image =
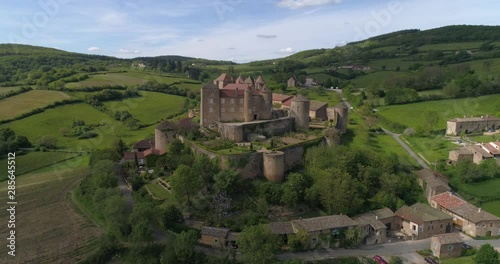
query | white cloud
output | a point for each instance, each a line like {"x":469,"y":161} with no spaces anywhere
{"x":94,"y":49}
{"x":266,"y":36}
{"x":295,"y":4}
{"x":286,"y":50}
{"x":126,"y":51}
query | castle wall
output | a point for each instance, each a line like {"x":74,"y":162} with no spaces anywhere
{"x":210,"y":106}
{"x":342,"y":116}
{"x":231,"y":109}
{"x":239,"y":132}
{"x":300,"y":111}
{"x":274,"y":165}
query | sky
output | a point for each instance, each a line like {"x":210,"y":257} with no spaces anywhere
{"x":237,"y":30}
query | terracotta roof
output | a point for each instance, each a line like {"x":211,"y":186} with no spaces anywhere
{"x":449,"y":238}
{"x":166,"y":125}
{"x":281,"y":228}
{"x":433,"y":179}
{"x":475,"y":119}
{"x":231,"y":93}
{"x":315,"y":105}
{"x":140,"y":155}
{"x":153,"y":151}
{"x":143,"y":144}
{"x":281,"y":97}
{"x":239,"y":86}
{"x":224,"y":77}
{"x":491,"y":149}
{"x":287,"y":102}
{"x":462,"y":208}
{"x":420,"y":213}
{"x":129,"y":156}
{"x":324,"y":223}
{"x":383,"y":213}
{"x":371,"y":219}
{"x":215,"y":231}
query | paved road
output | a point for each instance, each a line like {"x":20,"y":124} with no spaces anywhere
{"x":408,"y":149}
{"x":388,"y":249}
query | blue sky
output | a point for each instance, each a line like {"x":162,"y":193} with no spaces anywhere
{"x":238,"y":30}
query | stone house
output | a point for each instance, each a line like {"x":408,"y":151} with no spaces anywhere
{"x":472,"y":125}
{"x":317,"y":110}
{"x":309,"y":81}
{"x":292,"y":82}
{"x":474,"y":153}
{"x":421,"y":221}
{"x":218,"y":237}
{"x":281,"y":98}
{"x":374,"y":225}
{"x":461,"y":154}
{"x":137,"y":157}
{"x":432,"y":183}
{"x":143,"y":145}
{"x":316,"y":227}
{"x":473,"y":221}
{"x":447,"y":245}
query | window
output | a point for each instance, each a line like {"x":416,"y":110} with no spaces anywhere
{"x":223,"y":109}
{"x":231,"y":109}
{"x":414,"y":227}
{"x":241,"y":100}
{"x":441,"y":225}
{"x":450,"y":247}
{"x":210,"y":109}
{"x":210,"y":100}
{"x":491,"y":224}
{"x":232,"y":100}
{"x":241,"y":109}
{"x":222,"y":100}
{"x":314,"y":240}
{"x":215,"y":240}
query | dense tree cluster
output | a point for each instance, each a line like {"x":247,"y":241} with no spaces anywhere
{"x":10,"y":142}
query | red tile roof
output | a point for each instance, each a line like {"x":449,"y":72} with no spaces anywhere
{"x":462,"y":208}
{"x":140,"y":155}
{"x":129,"y":156}
{"x":288,"y":102}
{"x":492,"y":150}
{"x":239,"y":86}
{"x":281,"y":97}
{"x":153,"y":151}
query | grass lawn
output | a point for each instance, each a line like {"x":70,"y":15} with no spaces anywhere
{"x":490,"y":138}
{"x":432,"y":148}
{"x":365,"y":81}
{"x":51,"y":121}
{"x":151,"y":107}
{"x":158,"y":191}
{"x":461,"y":260}
{"x":8,"y":89}
{"x":48,"y":226}
{"x":482,"y":189}
{"x":34,"y":161}
{"x":16,"y":105}
{"x":412,"y":115}
{"x":492,"y":207}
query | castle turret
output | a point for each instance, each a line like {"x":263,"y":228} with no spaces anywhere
{"x":223,"y":80}
{"x":299,"y":109}
{"x":259,"y":83}
{"x":164,"y":134}
{"x":274,"y":165}
{"x":267,"y":108}
{"x":247,"y":105}
{"x":210,"y":104}
{"x":341,"y":115}
{"x":239,"y":80}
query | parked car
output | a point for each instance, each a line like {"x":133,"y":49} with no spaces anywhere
{"x":430,"y":260}
{"x":379,"y":259}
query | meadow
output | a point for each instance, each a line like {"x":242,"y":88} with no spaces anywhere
{"x":150,"y":107}
{"x":492,"y":207}
{"x":4,"y":90}
{"x":51,"y":121}
{"x":16,"y":105}
{"x":412,"y":115}
{"x":49,"y":229}
{"x":34,"y":161}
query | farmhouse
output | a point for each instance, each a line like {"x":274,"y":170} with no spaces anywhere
{"x":317,"y":110}
{"x":292,"y":82}
{"x":374,"y":225}
{"x":472,"y":125}
{"x":218,"y":237}
{"x":447,"y":245}
{"x":422,"y":221}
{"x":472,"y":220}
{"x":476,"y":153}
{"x":331,"y":225}
{"x":281,"y":98}
{"x":432,"y":183}
{"x":309,"y":81}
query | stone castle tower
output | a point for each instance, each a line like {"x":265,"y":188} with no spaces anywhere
{"x":299,"y":109}
{"x":240,"y":100}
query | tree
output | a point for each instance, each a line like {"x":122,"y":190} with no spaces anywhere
{"x":47,"y":141}
{"x":299,"y":241}
{"x":184,"y":183}
{"x":486,"y":254}
{"x":328,"y":83}
{"x":258,"y":244}
{"x":294,"y":189}
{"x":103,"y":174}
{"x":171,"y":216}
{"x":352,"y":237}
{"x":116,"y":213}
{"x":184,"y":246}
{"x":227,"y":180}
{"x":121,"y":147}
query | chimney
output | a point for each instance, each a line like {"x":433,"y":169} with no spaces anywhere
{"x":449,"y":194}
{"x":479,"y":210}
{"x":376,"y":217}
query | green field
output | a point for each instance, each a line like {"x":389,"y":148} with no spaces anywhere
{"x":375,"y":77}
{"x":492,"y":207}
{"x":432,"y":148}
{"x":151,"y":107}
{"x":34,"y":161}
{"x":48,"y":226}
{"x":8,"y":89}
{"x":482,"y":189}
{"x":451,"y":46}
{"x":25,"y":102}
{"x":158,"y":191}
{"x":51,"y":121}
{"x":412,"y":115}
{"x":133,"y":78}
{"x":461,"y":260}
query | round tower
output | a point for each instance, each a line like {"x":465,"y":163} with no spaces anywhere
{"x":247,"y":105}
{"x":267,"y":108}
{"x":299,"y":109}
{"x":342,"y":113}
{"x":164,"y":134}
{"x":274,"y":165}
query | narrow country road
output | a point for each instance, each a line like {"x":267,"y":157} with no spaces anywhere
{"x":408,"y":149}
